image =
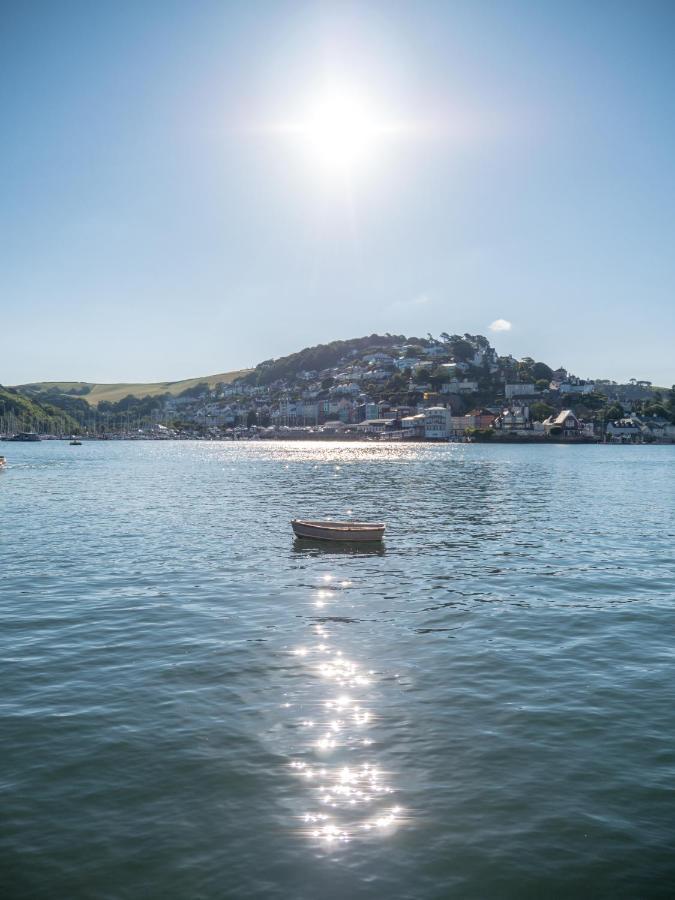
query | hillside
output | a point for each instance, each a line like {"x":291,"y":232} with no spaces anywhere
{"x":322,"y":356}
{"x":94,"y":393}
{"x":18,"y":412}
{"x":353,"y":380}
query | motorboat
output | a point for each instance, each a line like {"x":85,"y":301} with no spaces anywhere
{"x":3,"y":462}
{"x":75,"y":443}
{"x":29,"y":436}
{"x":329,"y":530}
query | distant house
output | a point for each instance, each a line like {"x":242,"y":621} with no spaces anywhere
{"x":564,"y":423}
{"x":412,"y":426}
{"x":481,"y":418}
{"x":383,"y":359}
{"x":582,"y":387}
{"x":658,"y":429}
{"x":407,"y":363}
{"x":352,"y":388}
{"x":436,"y":351}
{"x":515,"y":420}
{"x":436,"y":423}
{"x":333,"y":427}
{"x":377,"y":375}
{"x":459,"y":387}
{"x":477,"y":418}
{"x":454,"y":369}
{"x":626,"y":430}
{"x":519,"y":390}
{"x":367,"y":410}
{"x":374,"y":426}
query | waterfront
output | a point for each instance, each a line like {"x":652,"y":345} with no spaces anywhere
{"x":195,"y":705}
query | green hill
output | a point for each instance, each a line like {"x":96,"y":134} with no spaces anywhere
{"x":94,"y":393}
{"x":21,"y":413}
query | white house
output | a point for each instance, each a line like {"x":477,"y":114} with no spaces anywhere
{"x":582,"y":388}
{"x":383,"y":359}
{"x":515,"y":420}
{"x":519,"y":390}
{"x":373,"y":426}
{"x":407,"y":363}
{"x":436,"y":423}
{"x":565,"y":423}
{"x":625,"y":430}
{"x":459,"y":387}
{"x":412,"y":426}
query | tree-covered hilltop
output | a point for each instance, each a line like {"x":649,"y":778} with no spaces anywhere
{"x":322,"y":356}
{"x":21,"y":413}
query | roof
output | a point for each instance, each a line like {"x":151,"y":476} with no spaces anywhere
{"x":375,"y":422}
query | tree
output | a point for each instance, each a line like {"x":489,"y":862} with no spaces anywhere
{"x":540,"y":411}
{"x":251,"y":418}
{"x":540,"y":371}
{"x":422,"y":376}
{"x":613,"y":411}
{"x":594,"y":401}
{"x":461,"y":349}
{"x":480,"y":434}
{"x":652,"y":408}
{"x":327,"y":383}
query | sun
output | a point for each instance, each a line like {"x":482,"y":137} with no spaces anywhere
{"x":340,"y":130}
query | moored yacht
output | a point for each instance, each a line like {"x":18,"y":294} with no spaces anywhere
{"x":26,"y":436}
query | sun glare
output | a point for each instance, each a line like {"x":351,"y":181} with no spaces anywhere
{"x":341,"y":130}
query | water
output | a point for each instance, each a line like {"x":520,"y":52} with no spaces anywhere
{"x":194,"y":705}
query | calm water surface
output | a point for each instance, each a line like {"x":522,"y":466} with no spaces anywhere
{"x":194,"y":705}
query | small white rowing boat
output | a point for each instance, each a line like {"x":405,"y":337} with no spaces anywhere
{"x":338,"y":531}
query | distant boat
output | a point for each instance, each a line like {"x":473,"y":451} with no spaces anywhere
{"x":338,"y":531}
{"x":75,"y":443}
{"x":3,"y":462}
{"x":26,"y":436}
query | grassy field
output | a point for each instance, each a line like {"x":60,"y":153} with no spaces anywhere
{"x":115,"y":392}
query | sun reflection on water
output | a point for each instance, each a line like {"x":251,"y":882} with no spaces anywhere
{"x":349,"y":794}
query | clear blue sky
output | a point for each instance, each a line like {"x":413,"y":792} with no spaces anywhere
{"x":157,"y":220}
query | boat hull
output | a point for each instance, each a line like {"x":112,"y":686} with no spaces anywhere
{"x":351,"y":532}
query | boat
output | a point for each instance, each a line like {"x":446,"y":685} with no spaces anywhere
{"x":75,"y":443}
{"x":338,"y":531}
{"x":3,"y":462}
{"x":26,"y":436}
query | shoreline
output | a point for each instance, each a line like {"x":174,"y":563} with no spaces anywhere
{"x":349,"y":439}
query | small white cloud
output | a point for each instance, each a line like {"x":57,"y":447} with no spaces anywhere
{"x":420,"y":300}
{"x":500,"y":325}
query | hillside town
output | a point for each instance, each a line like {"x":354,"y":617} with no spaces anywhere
{"x":394,"y":388}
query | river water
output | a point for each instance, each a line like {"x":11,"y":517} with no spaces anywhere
{"x":195,"y":705}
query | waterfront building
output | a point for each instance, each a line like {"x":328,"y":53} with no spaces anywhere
{"x":564,"y":423}
{"x":436,"y":423}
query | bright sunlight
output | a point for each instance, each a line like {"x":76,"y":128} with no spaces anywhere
{"x":341,"y":130}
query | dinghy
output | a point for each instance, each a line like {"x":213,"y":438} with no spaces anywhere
{"x":338,"y":531}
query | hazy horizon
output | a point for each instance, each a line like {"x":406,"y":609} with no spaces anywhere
{"x":226,"y":370}
{"x":191,"y":190}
